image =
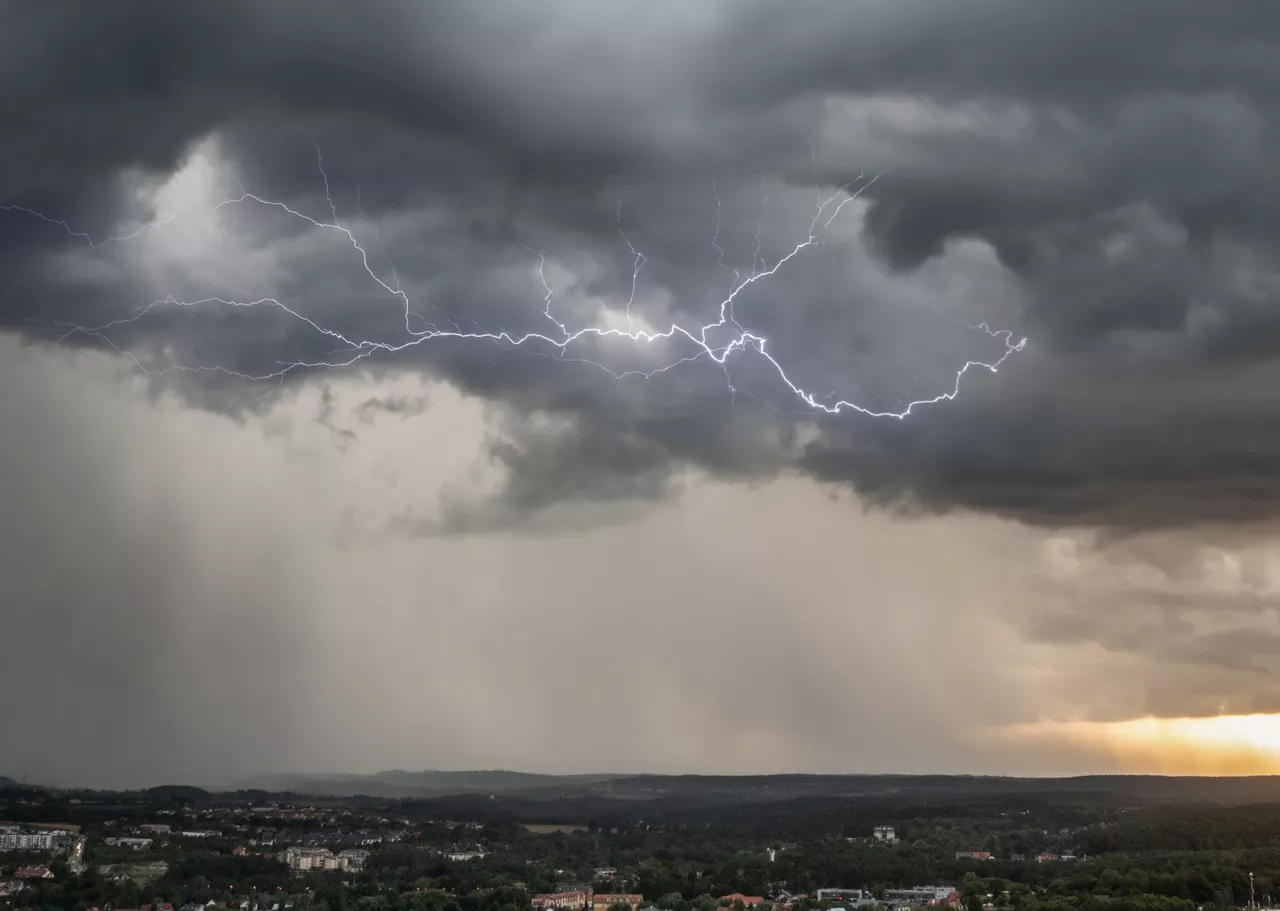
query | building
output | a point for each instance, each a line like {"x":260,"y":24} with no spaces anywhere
{"x":155,"y":828}
{"x":603,"y":901}
{"x":564,"y":901}
{"x":353,"y":859}
{"x":39,"y":872}
{"x":307,"y":860}
{"x":973,"y":855}
{"x":844,"y":896}
{"x":885,"y":834}
{"x":304,"y":860}
{"x":922,"y":895}
{"x":458,"y":856}
{"x":748,"y":901}
{"x":12,"y":839}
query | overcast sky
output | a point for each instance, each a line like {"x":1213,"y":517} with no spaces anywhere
{"x":216,"y":562}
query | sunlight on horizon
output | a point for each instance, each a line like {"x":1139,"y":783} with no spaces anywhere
{"x":1213,"y":745}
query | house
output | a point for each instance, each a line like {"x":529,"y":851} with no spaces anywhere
{"x":36,"y":872}
{"x":973,"y":855}
{"x":747,"y":901}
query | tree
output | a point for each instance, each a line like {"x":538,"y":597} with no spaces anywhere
{"x":673,"y":901}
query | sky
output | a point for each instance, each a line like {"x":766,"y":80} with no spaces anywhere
{"x":435,"y":384}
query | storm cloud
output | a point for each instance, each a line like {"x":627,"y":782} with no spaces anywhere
{"x":194,"y":197}
{"x":1095,"y":178}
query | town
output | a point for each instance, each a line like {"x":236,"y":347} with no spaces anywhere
{"x":186,"y":849}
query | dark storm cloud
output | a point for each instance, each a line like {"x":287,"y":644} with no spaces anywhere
{"x":1115,"y":157}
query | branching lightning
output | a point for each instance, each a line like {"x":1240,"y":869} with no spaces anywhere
{"x":349,"y":350}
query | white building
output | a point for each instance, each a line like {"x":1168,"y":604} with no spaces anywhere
{"x":884,"y":834}
{"x":17,"y":840}
{"x":133,"y":844}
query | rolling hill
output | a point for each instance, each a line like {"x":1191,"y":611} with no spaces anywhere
{"x":726,"y":789}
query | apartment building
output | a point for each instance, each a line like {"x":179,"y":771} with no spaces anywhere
{"x":18,"y":840}
{"x":306,"y":860}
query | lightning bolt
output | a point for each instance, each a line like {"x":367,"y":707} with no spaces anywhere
{"x":350,"y":350}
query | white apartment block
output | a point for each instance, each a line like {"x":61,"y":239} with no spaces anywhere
{"x":11,"y":840}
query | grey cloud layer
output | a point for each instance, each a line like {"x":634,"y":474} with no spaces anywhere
{"x":1097,"y":177}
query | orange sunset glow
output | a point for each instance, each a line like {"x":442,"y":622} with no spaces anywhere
{"x":1215,"y":745}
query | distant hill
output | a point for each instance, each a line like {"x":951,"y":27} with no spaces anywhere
{"x":178,"y":792}
{"x":399,"y":783}
{"x":743,"y":789}
{"x":7,"y":783}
